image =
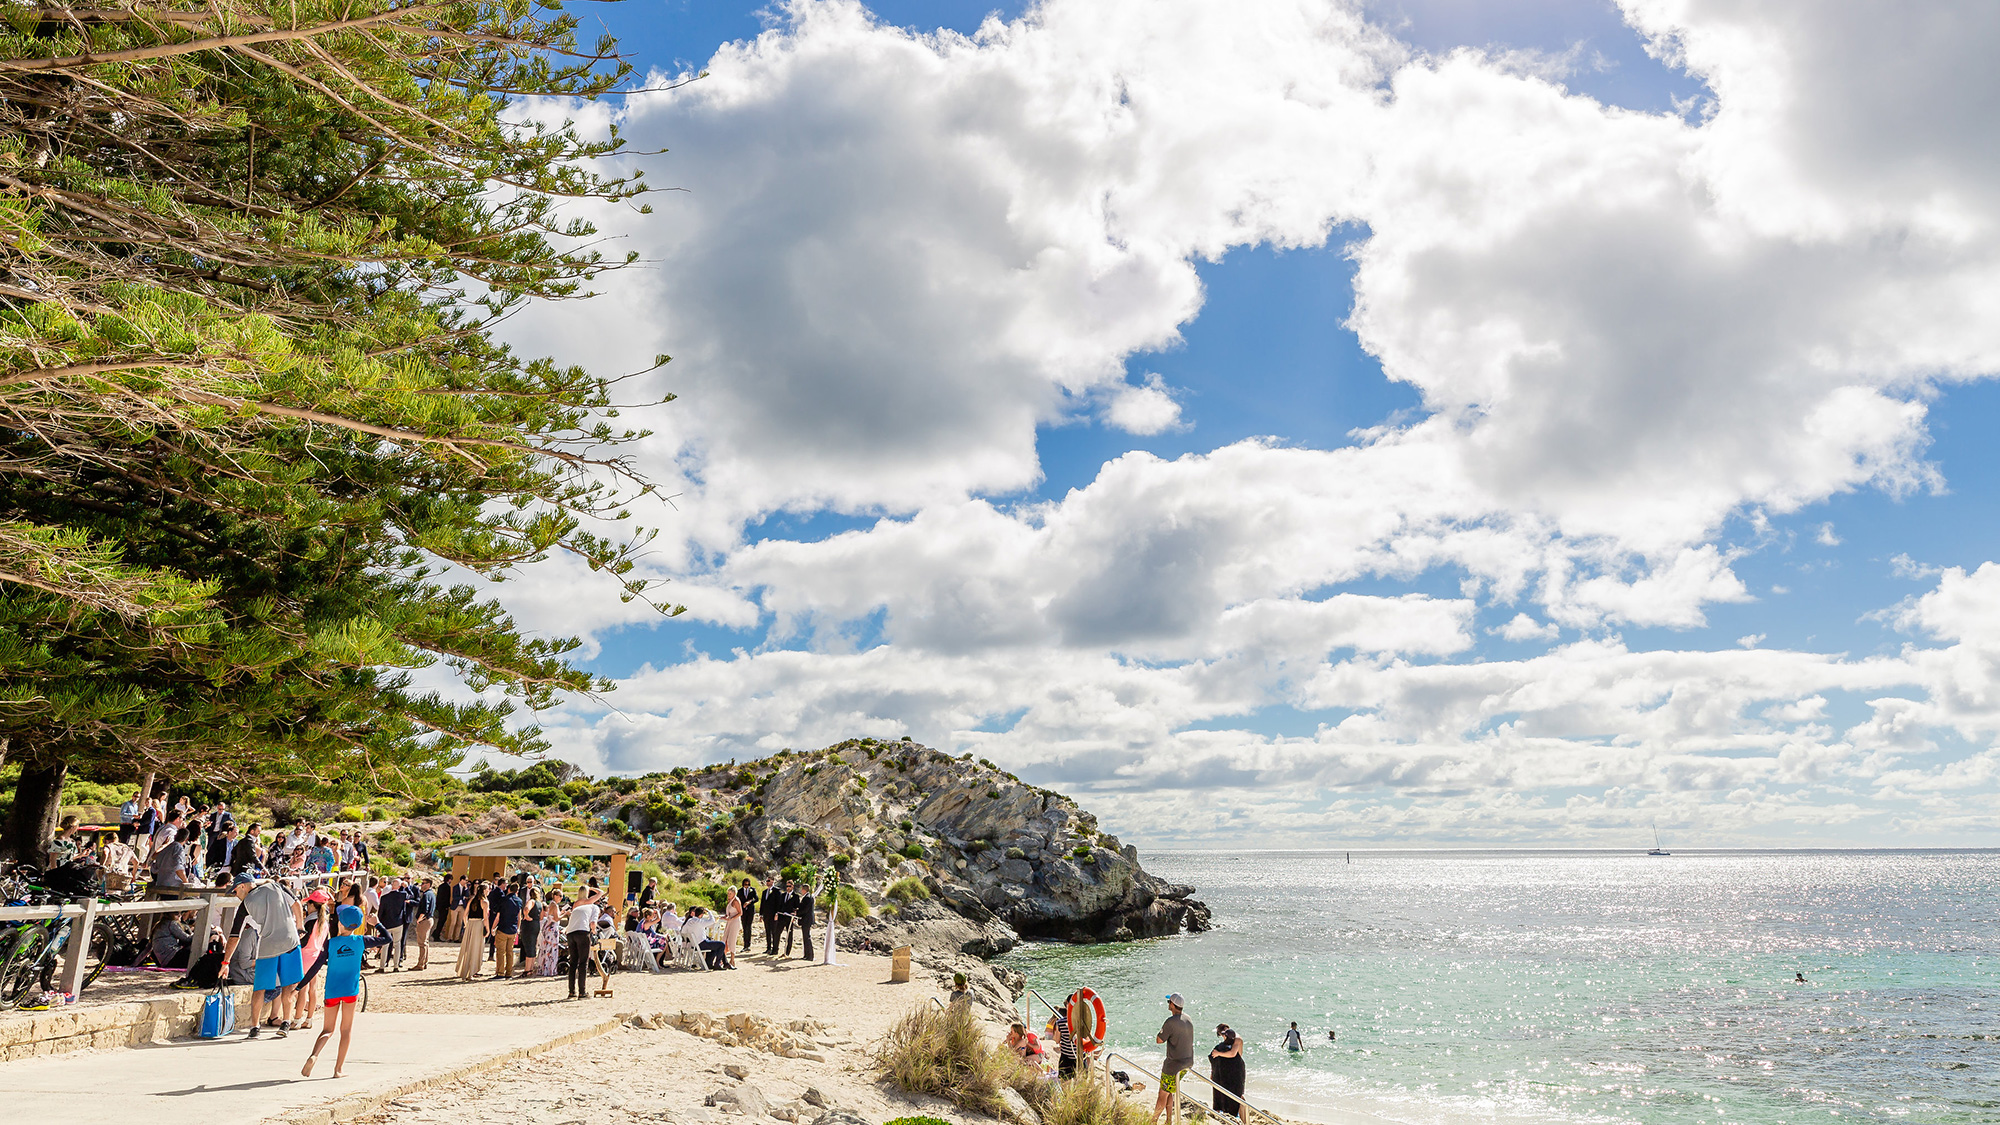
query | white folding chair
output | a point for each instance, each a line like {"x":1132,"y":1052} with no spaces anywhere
{"x":639,"y":953}
{"x":685,"y":953}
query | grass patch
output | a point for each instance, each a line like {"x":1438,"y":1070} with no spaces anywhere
{"x":1087,"y":1103}
{"x":850,"y":904}
{"x":907,"y":890}
{"x":945,"y":1054}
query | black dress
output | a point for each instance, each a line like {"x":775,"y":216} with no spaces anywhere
{"x":1227,"y":1073}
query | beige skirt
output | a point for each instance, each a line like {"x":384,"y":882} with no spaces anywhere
{"x":471,"y":948}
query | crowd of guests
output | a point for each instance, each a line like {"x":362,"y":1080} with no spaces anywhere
{"x":181,"y":846}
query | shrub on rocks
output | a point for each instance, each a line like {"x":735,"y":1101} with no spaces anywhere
{"x":908,"y":889}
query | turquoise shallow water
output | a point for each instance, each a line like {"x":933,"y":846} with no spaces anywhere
{"x":1541,"y":987}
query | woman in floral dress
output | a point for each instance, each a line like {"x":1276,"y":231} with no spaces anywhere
{"x":547,"y":945}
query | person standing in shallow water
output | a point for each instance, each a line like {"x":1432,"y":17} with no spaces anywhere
{"x":1292,"y":1040}
{"x":1178,"y":1035}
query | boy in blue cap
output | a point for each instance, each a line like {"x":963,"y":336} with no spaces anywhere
{"x":343,"y":983}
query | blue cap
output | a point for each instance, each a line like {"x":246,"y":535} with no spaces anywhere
{"x":244,"y":878}
{"x":350,"y":916}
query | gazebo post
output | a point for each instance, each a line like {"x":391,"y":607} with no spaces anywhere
{"x":618,"y":879}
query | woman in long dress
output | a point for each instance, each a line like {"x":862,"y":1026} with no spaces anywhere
{"x":472,"y":942}
{"x":732,"y":928}
{"x":1226,"y":1069}
{"x":531,"y":930}
{"x":548,"y":947}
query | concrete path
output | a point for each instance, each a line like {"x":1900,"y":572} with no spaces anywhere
{"x":233,"y":1081}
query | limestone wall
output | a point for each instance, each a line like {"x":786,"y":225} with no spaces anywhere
{"x":26,"y":1035}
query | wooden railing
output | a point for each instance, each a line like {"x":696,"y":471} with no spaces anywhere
{"x":213,"y":905}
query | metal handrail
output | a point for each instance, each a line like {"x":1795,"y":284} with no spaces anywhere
{"x":1180,"y":1090}
{"x":1028,"y":1008}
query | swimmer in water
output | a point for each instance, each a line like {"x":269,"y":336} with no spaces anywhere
{"x":1292,"y":1041}
{"x":1800,"y":978}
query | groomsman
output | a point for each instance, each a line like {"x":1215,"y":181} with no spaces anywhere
{"x":747,"y":895}
{"x":773,"y":904}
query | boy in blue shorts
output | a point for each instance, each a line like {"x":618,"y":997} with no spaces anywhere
{"x":343,"y":984}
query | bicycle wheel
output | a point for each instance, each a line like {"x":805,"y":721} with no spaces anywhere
{"x":23,"y":968}
{"x":106,"y":942}
{"x":363,"y":1002}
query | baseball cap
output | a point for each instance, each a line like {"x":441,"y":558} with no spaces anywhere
{"x":243,"y":878}
{"x":319,"y":895}
{"x":1174,"y":998}
{"x":349,"y":915}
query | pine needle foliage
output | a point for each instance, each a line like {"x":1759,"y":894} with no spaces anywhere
{"x":252,"y":415}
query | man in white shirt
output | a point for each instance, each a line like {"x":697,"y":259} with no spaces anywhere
{"x":696,"y":930}
{"x":582,"y":921}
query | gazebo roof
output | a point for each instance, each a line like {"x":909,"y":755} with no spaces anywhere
{"x":541,"y":840}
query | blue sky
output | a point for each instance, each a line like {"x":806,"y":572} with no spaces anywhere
{"x":1034,"y":402}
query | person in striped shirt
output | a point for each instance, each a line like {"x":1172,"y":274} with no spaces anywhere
{"x":1065,"y":1044}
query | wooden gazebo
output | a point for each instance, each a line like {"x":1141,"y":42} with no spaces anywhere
{"x":487,"y":859}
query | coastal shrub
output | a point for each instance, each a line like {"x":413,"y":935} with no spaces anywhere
{"x":847,"y":904}
{"x":1016,"y":853}
{"x":401,"y":853}
{"x":572,"y":824}
{"x":913,"y":850}
{"x":686,"y":859}
{"x":907,"y":889}
{"x":576,"y":790}
{"x":462,"y":837}
{"x":1081,"y":850}
{"x":992,"y":794}
{"x":353,"y":814}
{"x":917,"y":1121}
{"x":382,"y":867}
{"x":1086,"y":1103}
{"x":907,"y":825}
{"x":842,"y":860}
{"x":529,"y":812}
{"x":945,"y":1054}
{"x":704,"y":892}
{"x":385,"y":836}
{"x":625,"y":784}
{"x":381,"y":812}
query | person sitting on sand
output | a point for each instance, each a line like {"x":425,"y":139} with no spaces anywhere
{"x":1025,"y":1044}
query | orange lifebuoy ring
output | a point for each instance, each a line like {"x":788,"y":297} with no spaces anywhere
{"x":1086,"y":1019}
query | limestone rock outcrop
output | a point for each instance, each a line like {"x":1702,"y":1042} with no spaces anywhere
{"x":989,"y":846}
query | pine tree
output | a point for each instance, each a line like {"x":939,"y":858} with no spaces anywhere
{"x":252,"y":417}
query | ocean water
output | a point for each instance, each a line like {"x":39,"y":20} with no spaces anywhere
{"x":1579,"y":987}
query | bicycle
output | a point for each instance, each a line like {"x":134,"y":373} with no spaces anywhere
{"x":33,"y":950}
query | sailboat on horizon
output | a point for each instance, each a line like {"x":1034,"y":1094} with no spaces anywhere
{"x":1656,"y":849}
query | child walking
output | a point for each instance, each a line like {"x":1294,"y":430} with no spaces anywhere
{"x":343,"y":984}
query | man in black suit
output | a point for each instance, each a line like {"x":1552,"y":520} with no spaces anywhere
{"x":747,"y":895}
{"x":773,"y":903}
{"x":805,"y":919}
{"x":788,"y":916}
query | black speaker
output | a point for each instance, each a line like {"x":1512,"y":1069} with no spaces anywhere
{"x":634,"y":880}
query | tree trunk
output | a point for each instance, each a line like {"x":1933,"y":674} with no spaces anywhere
{"x":32,"y":822}
{"x":145,"y":791}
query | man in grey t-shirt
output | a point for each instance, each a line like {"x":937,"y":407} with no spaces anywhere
{"x":275,"y":918}
{"x":1178,"y":1034}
